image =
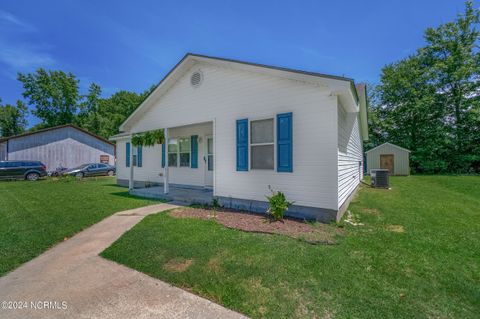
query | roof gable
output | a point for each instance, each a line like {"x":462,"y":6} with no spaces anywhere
{"x":390,"y":144}
{"x":344,"y":88}
{"x":56,"y":128}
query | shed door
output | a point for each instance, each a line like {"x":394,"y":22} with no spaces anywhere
{"x":387,"y":162}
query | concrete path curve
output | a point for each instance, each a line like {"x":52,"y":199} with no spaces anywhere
{"x":71,"y":275}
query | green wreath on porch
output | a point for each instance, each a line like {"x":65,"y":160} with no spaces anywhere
{"x":149,"y":138}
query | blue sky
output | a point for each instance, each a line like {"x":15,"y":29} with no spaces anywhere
{"x":131,"y":45}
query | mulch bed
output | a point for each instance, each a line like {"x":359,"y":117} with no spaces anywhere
{"x":314,"y":233}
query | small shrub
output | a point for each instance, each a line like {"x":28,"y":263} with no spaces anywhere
{"x":215,"y":207}
{"x":278,"y":204}
{"x":215,"y":203}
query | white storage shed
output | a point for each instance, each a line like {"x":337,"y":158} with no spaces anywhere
{"x":389,"y":156}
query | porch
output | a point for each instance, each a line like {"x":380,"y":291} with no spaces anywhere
{"x":184,"y":195}
{"x":181,"y":169}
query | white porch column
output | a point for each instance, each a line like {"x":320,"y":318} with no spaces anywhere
{"x":214,"y":131}
{"x":131,"y":177}
{"x":165,"y":169}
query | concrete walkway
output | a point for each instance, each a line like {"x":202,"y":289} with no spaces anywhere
{"x":92,"y":287}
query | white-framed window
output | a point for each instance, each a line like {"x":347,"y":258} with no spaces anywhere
{"x":184,"y":150}
{"x":179,"y":152}
{"x":173,"y":152}
{"x":134,"y":155}
{"x":262,"y":144}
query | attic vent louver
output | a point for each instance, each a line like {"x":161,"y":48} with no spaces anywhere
{"x":196,"y":78}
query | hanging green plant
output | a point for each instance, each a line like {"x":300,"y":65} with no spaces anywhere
{"x":149,"y":138}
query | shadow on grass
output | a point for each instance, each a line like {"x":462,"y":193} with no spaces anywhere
{"x":127,"y":195}
{"x":113,"y":185}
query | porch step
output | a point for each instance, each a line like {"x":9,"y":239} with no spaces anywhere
{"x":181,"y":195}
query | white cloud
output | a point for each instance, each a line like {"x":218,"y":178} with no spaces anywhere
{"x":24,"y":58}
{"x":18,"y":53}
{"x":11,"y":19}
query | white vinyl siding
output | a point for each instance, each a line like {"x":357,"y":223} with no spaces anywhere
{"x":151,"y":163}
{"x":227,"y":95}
{"x":350,"y":158}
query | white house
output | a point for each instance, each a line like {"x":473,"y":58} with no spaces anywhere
{"x":236,"y":128}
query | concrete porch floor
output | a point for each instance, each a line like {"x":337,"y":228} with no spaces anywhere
{"x":178,"y":194}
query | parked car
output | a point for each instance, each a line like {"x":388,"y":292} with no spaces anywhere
{"x":29,"y":170}
{"x":92,"y":169}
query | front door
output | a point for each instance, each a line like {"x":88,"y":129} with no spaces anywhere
{"x":209,"y":160}
{"x":386,"y":162}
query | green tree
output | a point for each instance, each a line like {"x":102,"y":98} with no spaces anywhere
{"x":452,"y":52}
{"x":89,"y":117}
{"x":429,"y":102}
{"x":53,"y":94}
{"x":377,"y":119}
{"x":114,"y":110}
{"x":410,"y":114}
{"x":12,"y":118}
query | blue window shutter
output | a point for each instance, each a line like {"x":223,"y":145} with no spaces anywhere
{"x":242,"y":145}
{"x":127,"y":159}
{"x":163,"y":154}
{"x":284,"y":142}
{"x":139,"y":156}
{"x":194,"y":145}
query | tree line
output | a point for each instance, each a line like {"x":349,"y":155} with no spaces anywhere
{"x":54,"y":98}
{"x":427,"y":102}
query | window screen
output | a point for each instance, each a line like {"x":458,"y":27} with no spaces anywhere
{"x":173,"y":152}
{"x":172,"y":159}
{"x":261,"y":144}
{"x":262,"y":157}
{"x":134,"y":155}
{"x":184,"y":150}
{"x":179,"y":152}
{"x":262,"y":131}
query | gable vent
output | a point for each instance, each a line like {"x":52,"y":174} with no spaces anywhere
{"x":196,"y":79}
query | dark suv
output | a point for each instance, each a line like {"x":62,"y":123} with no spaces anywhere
{"x":30,"y":170}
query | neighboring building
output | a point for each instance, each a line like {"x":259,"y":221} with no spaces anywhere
{"x":61,"y":146}
{"x":389,"y":156}
{"x":237,"y":128}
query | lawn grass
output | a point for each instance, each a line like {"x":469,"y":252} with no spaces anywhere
{"x":36,"y":215}
{"x":416,"y":256}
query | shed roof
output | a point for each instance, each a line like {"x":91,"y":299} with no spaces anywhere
{"x":3,"y":139}
{"x":387,"y":143}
